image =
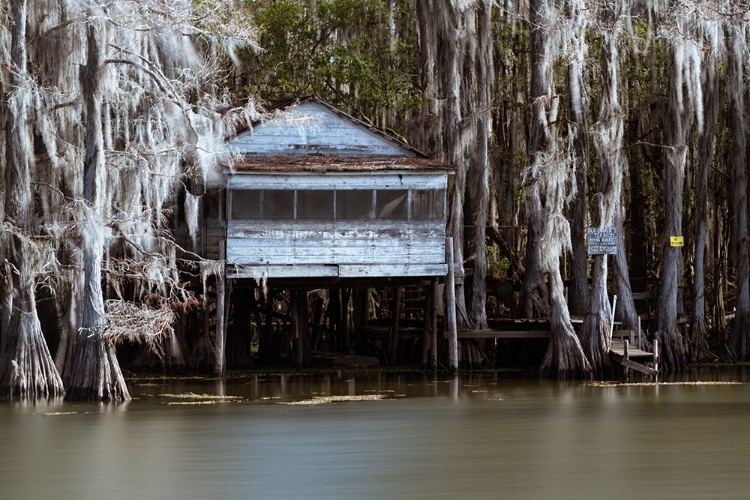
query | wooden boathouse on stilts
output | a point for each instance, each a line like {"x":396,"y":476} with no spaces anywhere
{"x":315,"y":199}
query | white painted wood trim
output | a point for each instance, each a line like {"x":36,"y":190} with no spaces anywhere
{"x":342,"y":271}
{"x":337,"y":180}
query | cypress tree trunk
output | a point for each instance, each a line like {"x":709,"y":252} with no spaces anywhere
{"x":535,"y":294}
{"x":457,"y":74}
{"x":683,"y":58}
{"x":478,"y":170}
{"x":608,"y":142}
{"x":26,"y":366}
{"x":430,"y":138}
{"x":510,"y":140}
{"x":440,"y":27}
{"x":625,"y":308}
{"x":594,"y":334}
{"x":706,"y":156}
{"x":96,"y":372}
{"x":549,"y":191}
{"x":578,"y":127}
{"x":740,"y":339}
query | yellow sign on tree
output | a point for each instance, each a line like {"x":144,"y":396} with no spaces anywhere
{"x":676,"y":241}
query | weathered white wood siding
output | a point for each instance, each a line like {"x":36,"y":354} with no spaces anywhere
{"x":330,"y":180}
{"x":357,"y":248}
{"x":314,"y":128}
{"x":343,"y":248}
{"x":214,"y":236}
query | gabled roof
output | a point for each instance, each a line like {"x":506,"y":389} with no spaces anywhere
{"x":313,"y":127}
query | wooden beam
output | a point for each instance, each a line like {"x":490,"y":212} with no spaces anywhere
{"x":426,"y":319}
{"x":504,"y":334}
{"x":450,"y":304}
{"x":302,"y":345}
{"x":395,"y":316}
{"x":628,"y":363}
{"x":221,"y":324}
{"x":434,"y":323}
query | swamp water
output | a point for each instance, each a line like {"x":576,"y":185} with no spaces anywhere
{"x":387,"y":436}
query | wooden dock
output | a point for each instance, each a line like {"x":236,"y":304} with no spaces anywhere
{"x":516,"y":328}
{"x":504,"y":334}
{"x":633,"y":358}
{"x":622,"y":350}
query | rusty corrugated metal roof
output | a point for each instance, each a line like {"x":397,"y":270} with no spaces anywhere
{"x":322,"y":164}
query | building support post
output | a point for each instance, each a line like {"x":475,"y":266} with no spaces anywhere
{"x":450,"y":304}
{"x":426,"y":337}
{"x":434,"y":323}
{"x":301,"y":319}
{"x":395,"y":316}
{"x":222,"y":318}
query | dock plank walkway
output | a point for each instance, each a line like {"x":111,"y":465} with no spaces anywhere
{"x":634,"y":358}
{"x":630,"y":357}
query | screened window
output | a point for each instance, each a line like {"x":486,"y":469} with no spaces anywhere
{"x":246,"y":203}
{"x":392,"y":204}
{"x":278,"y":204}
{"x":353,"y":204}
{"x":315,"y":204}
{"x":427,"y":204}
{"x":350,"y":204}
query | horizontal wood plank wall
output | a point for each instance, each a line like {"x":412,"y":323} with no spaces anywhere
{"x":215,"y":234}
{"x":339,"y":181}
{"x":312,"y":128}
{"x":358,"y":248}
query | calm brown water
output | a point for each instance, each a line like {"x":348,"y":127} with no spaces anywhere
{"x":469,"y":437}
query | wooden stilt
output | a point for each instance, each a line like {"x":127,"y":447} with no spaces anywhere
{"x":268,"y":330}
{"x":656,"y":354}
{"x":334,"y":319}
{"x":626,"y":356}
{"x":318,"y":319}
{"x":426,"y":337}
{"x":434,"y":323}
{"x":206,"y":316}
{"x":359,"y":303}
{"x":255,"y":306}
{"x":345,"y":320}
{"x":395,"y":316}
{"x":304,"y":325}
{"x":612,"y":324}
{"x":221,"y":324}
{"x":450,"y":303}
{"x":296,"y":305}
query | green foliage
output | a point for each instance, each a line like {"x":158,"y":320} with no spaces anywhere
{"x":497,"y":265}
{"x":347,"y":52}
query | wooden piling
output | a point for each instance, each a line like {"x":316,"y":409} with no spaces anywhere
{"x":221,"y":324}
{"x":626,"y":356}
{"x":268,"y":330}
{"x":299,"y":317}
{"x":338,"y":302}
{"x":426,"y":337}
{"x":346,"y":295}
{"x":395,"y":315}
{"x":612,"y":324}
{"x":450,"y":304}
{"x":656,"y":354}
{"x":434,"y":323}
